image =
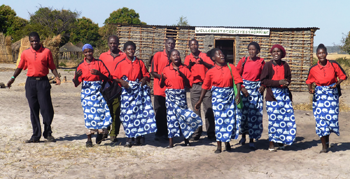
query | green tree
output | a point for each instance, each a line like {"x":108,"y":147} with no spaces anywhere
{"x":10,"y":23}
{"x":51,"y":22}
{"x":85,"y":31}
{"x":124,"y":16}
{"x":346,"y":43}
{"x":182,"y":21}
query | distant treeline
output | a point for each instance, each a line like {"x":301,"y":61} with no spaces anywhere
{"x":332,"y":49}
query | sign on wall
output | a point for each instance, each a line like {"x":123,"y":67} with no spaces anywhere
{"x":232,"y":31}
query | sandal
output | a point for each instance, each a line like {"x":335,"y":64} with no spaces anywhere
{"x":273,"y":149}
{"x":99,"y":138}
{"x":242,"y":141}
{"x":169,"y":147}
{"x":89,"y":144}
{"x":324,"y":151}
{"x":128,"y":144}
{"x":217,"y":151}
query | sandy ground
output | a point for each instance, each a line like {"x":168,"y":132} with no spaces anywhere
{"x":69,"y":158}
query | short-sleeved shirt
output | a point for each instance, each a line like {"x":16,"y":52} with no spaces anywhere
{"x":86,"y":67}
{"x":325,"y":75}
{"x":37,"y":62}
{"x":220,"y":76}
{"x":159,"y":62}
{"x":174,"y":80}
{"x":252,"y":68}
{"x":198,"y":70}
{"x":133,"y":70}
{"x":110,"y":61}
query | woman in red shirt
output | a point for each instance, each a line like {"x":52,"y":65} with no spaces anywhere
{"x":175,"y":78}
{"x":91,"y":72}
{"x":220,"y":80}
{"x":326,"y":95}
{"x":252,"y":112}
{"x":276,"y":76}
{"x":136,"y":110}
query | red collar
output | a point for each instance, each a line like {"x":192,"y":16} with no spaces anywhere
{"x":172,"y":67}
{"x":321,"y":67}
{"x":40,"y":49}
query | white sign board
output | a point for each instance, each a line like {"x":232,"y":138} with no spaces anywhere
{"x":232,"y":31}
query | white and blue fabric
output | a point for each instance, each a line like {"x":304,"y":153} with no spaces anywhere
{"x":252,"y":111}
{"x":282,"y":127}
{"x":326,"y":110}
{"x":179,"y":117}
{"x":227,"y":115}
{"x":96,"y":111}
{"x":136,"y":110}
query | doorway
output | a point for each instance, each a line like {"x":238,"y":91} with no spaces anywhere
{"x":227,"y":47}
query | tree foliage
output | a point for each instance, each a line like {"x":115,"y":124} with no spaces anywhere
{"x":51,"y":22}
{"x":124,"y":16}
{"x":182,"y":21}
{"x":346,"y":43}
{"x":85,"y":31}
{"x":10,"y":23}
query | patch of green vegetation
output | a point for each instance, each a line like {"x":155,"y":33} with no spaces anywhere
{"x":343,"y":61}
{"x":62,"y":64}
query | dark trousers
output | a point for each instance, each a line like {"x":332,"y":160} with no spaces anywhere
{"x":160,"y":111}
{"x":39,"y":98}
{"x":207,"y":108}
{"x":114,"y":109}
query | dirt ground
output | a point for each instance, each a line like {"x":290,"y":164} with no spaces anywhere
{"x":69,"y":158}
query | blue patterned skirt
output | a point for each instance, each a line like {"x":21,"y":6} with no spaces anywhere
{"x":252,"y":111}
{"x":227,"y":115}
{"x":179,"y":117}
{"x":326,"y":110}
{"x":282,"y":127}
{"x":136,"y":110}
{"x":96,"y":111}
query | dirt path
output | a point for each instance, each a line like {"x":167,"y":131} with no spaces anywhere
{"x":69,"y":158}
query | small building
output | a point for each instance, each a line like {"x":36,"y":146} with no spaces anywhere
{"x":68,"y":51}
{"x":233,"y":41}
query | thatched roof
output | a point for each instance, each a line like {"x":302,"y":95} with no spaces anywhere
{"x":80,"y":44}
{"x":15,"y":46}
{"x":69,"y":47}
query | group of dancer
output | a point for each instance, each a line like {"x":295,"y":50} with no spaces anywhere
{"x":232,"y":96}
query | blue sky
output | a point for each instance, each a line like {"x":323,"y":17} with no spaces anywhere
{"x":331,"y":16}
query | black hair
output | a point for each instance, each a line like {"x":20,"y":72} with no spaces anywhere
{"x":189,"y":42}
{"x":255,"y":44}
{"x":171,"y":51}
{"x":34,"y":34}
{"x":170,"y":38}
{"x":129,"y":43}
{"x":212,"y":52}
{"x":113,"y":36}
{"x":321,"y":46}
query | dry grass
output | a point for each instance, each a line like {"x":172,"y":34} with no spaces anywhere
{"x":308,"y":106}
{"x":334,"y":56}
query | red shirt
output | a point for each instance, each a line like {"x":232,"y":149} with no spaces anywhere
{"x":160,"y":60}
{"x":110,"y":61}
{"x":220,"y":76}
{"x":37,"y":62}
{"x":278,"y":72}
{"x":174,"y":80}
{"x":131,"y":69}
{"x":86,"y":67}
{"x":198,"y":70}
{"x":252,"y":68}
{"x":325,"y":75}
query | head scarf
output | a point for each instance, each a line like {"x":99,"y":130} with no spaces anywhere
{"x":256,"y":45}
{"x":281,"y":48}
{"x":87,"y":46}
